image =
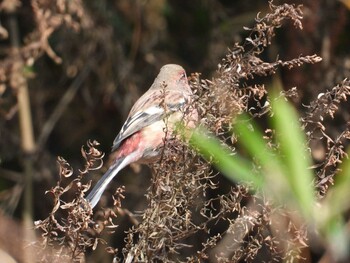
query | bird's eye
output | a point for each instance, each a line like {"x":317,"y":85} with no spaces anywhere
{"x":183,"y":75}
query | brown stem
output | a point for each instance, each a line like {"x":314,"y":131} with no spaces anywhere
{"x":19,"y":83}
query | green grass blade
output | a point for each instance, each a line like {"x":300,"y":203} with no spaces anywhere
{"x":296,"y":159}
{"x":234,"y":167}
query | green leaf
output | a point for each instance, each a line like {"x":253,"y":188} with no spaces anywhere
{"x":294,"y":155}
{"x":251,"y":138}
{"x":234,"y":167}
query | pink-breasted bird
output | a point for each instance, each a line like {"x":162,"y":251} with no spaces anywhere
{"x":150,"y":121}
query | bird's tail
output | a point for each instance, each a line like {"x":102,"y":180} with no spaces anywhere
{"x":96,"y":193}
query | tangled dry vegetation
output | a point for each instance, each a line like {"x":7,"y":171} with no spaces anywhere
{"x":186,"y":220}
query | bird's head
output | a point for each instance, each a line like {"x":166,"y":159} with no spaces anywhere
{"x":172,"y":74}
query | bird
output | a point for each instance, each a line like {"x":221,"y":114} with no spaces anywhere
{"x":151,"y":120}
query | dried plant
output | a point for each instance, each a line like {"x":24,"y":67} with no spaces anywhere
{"x":183,"y":204}
{"x":70,"y":230}
{"x":326,"y":105}
{"x":49,"y":18}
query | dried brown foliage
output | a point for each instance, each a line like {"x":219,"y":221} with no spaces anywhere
{"x":49,"y":19}
{"x":69,"y":230}
{"x":326,"y":105}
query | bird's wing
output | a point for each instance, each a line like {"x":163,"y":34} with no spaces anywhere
{"x":146,"y":116}
{"x":136,"y":122}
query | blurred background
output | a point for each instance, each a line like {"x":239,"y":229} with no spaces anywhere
{"x":84,"y":64}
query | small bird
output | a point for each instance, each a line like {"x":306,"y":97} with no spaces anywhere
{"x":151,"y":120}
